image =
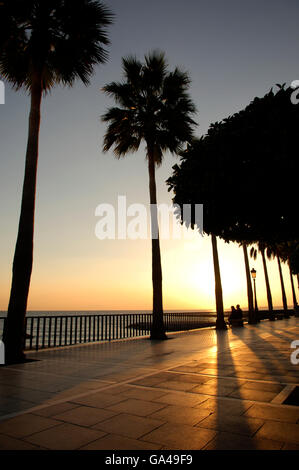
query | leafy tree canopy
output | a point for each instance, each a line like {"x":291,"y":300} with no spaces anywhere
{"x":245,"y":172}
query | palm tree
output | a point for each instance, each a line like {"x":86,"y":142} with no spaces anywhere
{"x":42,"y":43}
{"x":253,"y":254}
{"x":154,"y":107}
{"x":251,"y":312}
{"x":220,"y":322}
{"x":295,"y":303}
{"x":286,"y":252}
{"x":273,"y":251}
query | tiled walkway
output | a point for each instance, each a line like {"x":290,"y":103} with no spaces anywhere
{"x":198,"y":390}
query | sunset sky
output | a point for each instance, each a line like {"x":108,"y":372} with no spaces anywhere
{"x":233,"y":50}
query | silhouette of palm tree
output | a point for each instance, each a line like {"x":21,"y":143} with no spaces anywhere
{"x":253,"y":253}
{"x":273,"y":252}
{"x":251,"y":313}
{"x":286,"y":251}
{"x":42,"y":43}
{"x":154,"y":107}
{"x":220,"y":322}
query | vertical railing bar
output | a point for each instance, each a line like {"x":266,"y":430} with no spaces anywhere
{"x":43,"y":332}
{"x":65,"y":329}
{"x":85,"y":319}
{"x":80,"y":336}
{"x":31,"y":332}
{"x":71,"y":329}
{"x":55,"y":330}
{"x":60,"y":331}
{"x":37,"y":334}
{"x":76,"y":328}
{"x":49,"y":331}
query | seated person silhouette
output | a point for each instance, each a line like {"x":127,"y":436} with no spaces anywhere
{"x":239,"y":313}
{"x":236,"y":316}
{"x":233,"y":314}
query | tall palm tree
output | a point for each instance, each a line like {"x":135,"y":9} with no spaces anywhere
{"x":154,"y":107}
{"x":253,"y":254}
{"x":42,"y":43}
{"x":251,"y":312}
{"x":220,"y":322}
{"x":273,"y":251}
{"x":295,"y":303}
{"x":286,"y":252}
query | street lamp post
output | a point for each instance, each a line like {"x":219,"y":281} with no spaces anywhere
{"x":253,"y":275}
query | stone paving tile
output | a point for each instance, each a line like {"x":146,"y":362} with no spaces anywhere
{"x":188,"y":378}
{"x":279,"y":431}
{"x":264,"y":386}
{"x":216,"y":371}
{"x":64,"y":437}
{"x":251,"y":375}
{"x":290,"y":446}
{"x":26,"y":424}
{"x":115,"y":390}
{"x":181,"y":414}
{"x":129,"y":425}
{"x":232,"y":406}
{"x":176,"y":385}
{"x":188,"y":368}
{"x":136,"y":407}
{"x":182,"y":399}
{"x":229,"y":423}
{"x":226,"y":381}
{"x":79,"y":389}
{"x":151,"y":380}
{"x":114,"y":441}
{"x":214,"y":389}
{"x":276,"y":413}
{"x":84,"y":416}
{"x":24,"y":394}
{"x":52,"y":410}
{"x":143,"y":394}
{"x":255,"y":395}
{"x":229,"y":441}
{"x":186,"y":437}
{"x":99,"y":399}
{"x":12,"y":405}
{"x":9,"y":443}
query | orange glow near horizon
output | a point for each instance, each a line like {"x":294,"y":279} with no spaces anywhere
{"x":124,"y":282}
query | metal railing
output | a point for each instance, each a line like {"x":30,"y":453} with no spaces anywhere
{"x":57,"y":331}
{"x":66,"y":330}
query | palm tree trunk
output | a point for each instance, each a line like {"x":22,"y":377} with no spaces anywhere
{"x":251,"y":313}
{"x":284,"y":298}
{"x":158,"y":328}
{"x":269,"y":295}
{"x":14,"y":330}
{"x":293,"y":290}
{"x":220,"y":322}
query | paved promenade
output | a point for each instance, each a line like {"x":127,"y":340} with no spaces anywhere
{"x":197,"y":390}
